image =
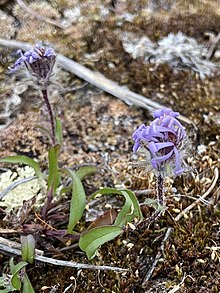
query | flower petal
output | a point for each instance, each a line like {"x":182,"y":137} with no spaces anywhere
{"x":158,"y":160}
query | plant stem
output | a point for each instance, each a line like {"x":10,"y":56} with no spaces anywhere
{"x":160,"y":199}
{"x":51,"y":115}
{"x":160,"y":190}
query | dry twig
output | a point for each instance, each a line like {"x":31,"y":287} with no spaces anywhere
{"x":57,"y":262}
{"x":14,"y":245}
{"x":98,"y":80}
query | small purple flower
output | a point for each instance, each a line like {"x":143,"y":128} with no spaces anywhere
{"x":39,"y":61}
{"x":163,"y":138}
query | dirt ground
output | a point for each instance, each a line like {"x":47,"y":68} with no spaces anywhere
{"x":97,"y":129}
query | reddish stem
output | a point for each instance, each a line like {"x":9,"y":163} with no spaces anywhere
{"x":51,"y":115}
{"x":48,"y":202}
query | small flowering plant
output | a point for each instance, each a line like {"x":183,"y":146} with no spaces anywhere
{"x":39,"y":63}
{"x":164,"y":140}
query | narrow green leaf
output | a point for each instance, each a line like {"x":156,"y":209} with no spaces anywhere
{"x":28,"y":248}
{"x":27,"y":287}
{"x":94,"y":238}
{"x":131,"y":208}
{"x":106,"y":190}
{"x":86,"y":171}
{"x":136,"y":211}
{"x":15,"y":269}
{"x":78,"y":202}
{"x":58,"y":131}
{"x":81,"y":173}
{"x":126,"y":214}
{"x":54,"y":175}
{"x":26,"y":161}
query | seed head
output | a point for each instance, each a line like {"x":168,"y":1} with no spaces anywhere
{"x":163,"y":138}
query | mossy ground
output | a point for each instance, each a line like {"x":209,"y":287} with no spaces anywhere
{"x":96,"y":124}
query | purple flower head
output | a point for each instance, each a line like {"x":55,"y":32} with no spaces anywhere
{"x":39,"y":61}
{"x":163,"y":138}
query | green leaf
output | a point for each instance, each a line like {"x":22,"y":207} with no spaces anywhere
{"x":131,"y":208}
{"x":26,"y":161}
{"x":28,"y":248}
{"x":15,"y":269}
{"x":58,"y":131}
{"x":81,"y":173}
{"x":127,"y":212}
{"x":54,"y":175}
{"x":86,"y":171}
{"x":27,"y":287}
{"x":77,"y":203}
{"x":94,"y":238}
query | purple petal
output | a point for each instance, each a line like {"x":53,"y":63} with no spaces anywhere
{"x":158,"y":160}
{"x":161,"y":145}
{"x":155,"y":147}
{"x":31,"y":59}
{"x":167,"y":121}
{"x":152,"y":148}
{"x":136,"y":147}
{"x":19,"y":52}
{"x":49,"y":52}
{"x":28,"y":53}
{"x":35,"y":55}
{"x":178,"y":124}
{"x":165,"y":129}
{"x":165,"y":111}
{"x":160,"y":112}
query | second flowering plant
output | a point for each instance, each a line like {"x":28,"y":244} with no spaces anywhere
{"x":164,"y":139}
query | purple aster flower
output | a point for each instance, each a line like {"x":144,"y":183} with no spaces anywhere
{"x":163,"y":138}
{"x":39,"y":61}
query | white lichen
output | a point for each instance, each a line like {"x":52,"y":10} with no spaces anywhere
{"x":177,"y":50}
{"x":13,"y":200}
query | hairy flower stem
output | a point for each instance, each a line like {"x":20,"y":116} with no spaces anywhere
{"x":160,"y":199}
{"x":160,"y":190}
{"x":51,"y":115}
